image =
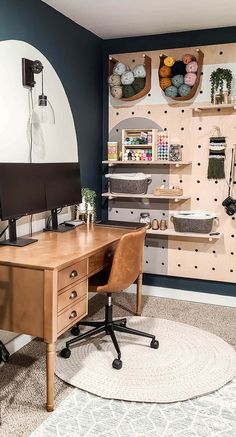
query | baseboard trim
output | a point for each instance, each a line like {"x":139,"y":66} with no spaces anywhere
{"x":18,"y":342}
{"x":190,"y":296}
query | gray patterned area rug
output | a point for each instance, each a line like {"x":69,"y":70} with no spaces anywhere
{"x":190,"y":362}
{"x":85,"y":415}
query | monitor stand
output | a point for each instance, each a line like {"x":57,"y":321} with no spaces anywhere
{"x":13,"y":239}
{"x":55,"y":227}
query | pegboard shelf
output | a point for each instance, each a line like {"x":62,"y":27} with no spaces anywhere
{"x":145,"y":196}
{"x":231,"y":106}
{"x":176,"y":164}
{"x":180,"y":235}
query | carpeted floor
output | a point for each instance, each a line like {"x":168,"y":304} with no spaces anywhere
{"x":22,"y":380}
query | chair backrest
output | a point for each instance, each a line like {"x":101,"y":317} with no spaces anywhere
{"x":127,"y":263}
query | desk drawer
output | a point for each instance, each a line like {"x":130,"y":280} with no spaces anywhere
{"x":72,"y":274}
{"x":71,"y":315}
{"x":71,"y":294}
{"x":101,"y":259}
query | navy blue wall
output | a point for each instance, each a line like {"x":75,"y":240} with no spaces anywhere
{"x":76,"y":55}
{"x":157,"y":42}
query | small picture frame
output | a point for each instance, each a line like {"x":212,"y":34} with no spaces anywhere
{"x":175,"y":152}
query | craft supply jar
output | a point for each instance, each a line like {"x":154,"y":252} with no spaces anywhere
{"x":145,"y":218}
{"x":163,"y":225}
{"x":112,"y":151}
{"x":155,"y":224}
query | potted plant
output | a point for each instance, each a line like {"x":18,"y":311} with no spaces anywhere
{"x":217,"y":79}
{"x":88,"y":204}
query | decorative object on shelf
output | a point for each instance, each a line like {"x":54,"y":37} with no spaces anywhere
{"x":143,"y":139}
{"x":217,"y":145}
{"x":155,"y":224}
{"x":230,"y":203}
{"x":163,"y":146}
{"x":185,"y":75}
{"x":132,"y":183}
{"x":134,"y":84}
{"x":171,"y":191}
{"x":145,"y":218}
{"x":193,"y":221}
{"x":112,"y":151}
{"x":87,"y":209}
{"x":175,"y":152}
{"x":218,"y":78}
{"x":163,"y":225}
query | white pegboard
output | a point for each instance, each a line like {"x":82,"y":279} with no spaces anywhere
{"x":184,"y":257}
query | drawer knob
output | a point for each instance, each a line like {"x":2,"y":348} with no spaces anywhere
{"x":73,"y":274}
{"x":110,"y":255}
{"x":72,"y":315}
{"x":73,"y":295}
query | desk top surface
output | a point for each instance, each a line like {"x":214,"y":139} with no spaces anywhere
{"x":56,"y":250}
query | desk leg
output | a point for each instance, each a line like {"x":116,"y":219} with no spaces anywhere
{"x":139,"y":295}
{"x":50,"y":375}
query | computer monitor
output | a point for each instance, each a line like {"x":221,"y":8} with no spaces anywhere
{"x":22,"y":192}
{"x":63,"y":188}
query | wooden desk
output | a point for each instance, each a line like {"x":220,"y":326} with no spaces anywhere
{"x":44,"y":286}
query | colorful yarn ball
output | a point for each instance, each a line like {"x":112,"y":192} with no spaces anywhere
{"x":192,"y":67}
{"x":178,"y":68}
{"x":169,"y":61}
{"x":177,"y":80}
{"x":188,"y":58}
{"x":128,"y":91}
{"x":114,"y":79}
{"x":171,"y":91}
{"x":165,"y":82}
{"x":119,"y":68}
{"x":127,"y":78}
{"x":165,"y":71}
{"x":138,"y":84}
{"x":139,"y":71}
{"x":117,"y":91}
{"x":190,"y":79}
{"x":184,"y":90}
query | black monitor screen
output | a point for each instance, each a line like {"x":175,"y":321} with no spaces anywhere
{"x":63,"y":186}
{"x":22,"y":190}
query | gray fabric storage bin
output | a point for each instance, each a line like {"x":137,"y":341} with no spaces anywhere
{"x":129,"y":183}
{"x":199,"y":222}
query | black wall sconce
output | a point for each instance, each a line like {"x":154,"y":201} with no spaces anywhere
{"x":43,"y":112}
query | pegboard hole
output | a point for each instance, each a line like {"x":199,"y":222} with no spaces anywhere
{"x":231,"y":253}
{"x":218,"y":109}
{"x":179,"y":265}
{"x":131,"y":212}
{"x":146,"y":245}
{"x":197,"y":199}
{"x":231,"y":270}
{"x":200,"y":126}
{"x":132,"y":113}
{"x":201,"y":92}
{"x":201,"y":73}
{"x":182,"y":110}
{"x":216,"y":182}
{"x":182,"y":128}
{"x":215,"y":200}
{"x":149,"y":112}
{"x":213,"y":268}
{"x":182,"y":146}
{"x":165,"y":112}
{"x":165,"y":128}
{"x":116,"y":212}
{"x":233,"y":218}
{"x":221,"y":53}
{"x":162,"y":264}
{"x":117,"y":130}
{"x":196,"y":250}
{"x":164,"y":180}
{"x":163,"y":247}
{"x":117,"y":113}
{"x":179,"y":248}
{"x":195,"y":267}
{"x":198,"y":163}
{"x":213,"y":251}
{"x":199,"y":146}
{"x":180,"y":181}
{"x":232,"y":236}
{"x":164,"y":214}
{"x":149,"y":94}
{"x":146,"y":262}
{"x":133,"y":60}
{"x":198,"y":182}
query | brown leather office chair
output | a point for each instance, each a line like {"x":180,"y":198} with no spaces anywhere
{"x":125,"y":269}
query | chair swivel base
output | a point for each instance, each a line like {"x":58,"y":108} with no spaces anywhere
{"x":108,"y":326}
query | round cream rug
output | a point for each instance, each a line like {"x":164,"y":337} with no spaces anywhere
{"x":189,"y":363}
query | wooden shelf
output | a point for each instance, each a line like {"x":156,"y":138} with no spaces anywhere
{"x":180,"y":235}
{"x":175,"y":163}
{"x":145,"y":196}
{"x":129,"y":146}
{"x":211,"y":107}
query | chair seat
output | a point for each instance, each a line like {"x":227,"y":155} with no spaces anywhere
{"x":98,"y":280}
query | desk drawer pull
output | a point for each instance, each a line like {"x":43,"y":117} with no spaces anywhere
{"x":73,"y":274}
{"x":73,"y":314}
{"x":73,"y":295}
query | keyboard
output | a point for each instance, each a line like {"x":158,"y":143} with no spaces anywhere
{"x":120,"y":224}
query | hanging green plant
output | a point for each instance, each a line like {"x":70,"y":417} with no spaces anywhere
{"x":217,"y":79}
{"x":89,"y":197}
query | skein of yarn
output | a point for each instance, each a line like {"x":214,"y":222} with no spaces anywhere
{"x":139,"y":71}
{"x":114,"y":79}
{"x":119,"y":68}
{"x":171,"y":91}
{"x":127,"y":78}
{"x":178,"y":68}
{"x":190,"y":79}
{"x":177,"y":80}
{"x":184,"y":90}
{"x":165,"y":82}
{"x":188,"y":58}
{"x":192,"y":67}
{"x":165,"y":71}
{"x":117,"y":91}
{"x":169,"y":61}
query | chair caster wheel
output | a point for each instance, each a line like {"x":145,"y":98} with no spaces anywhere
{"x":154,"y":344}
{"x":75,"y":331}
{"x":65,"y":353}
{"x":117,"y":364}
